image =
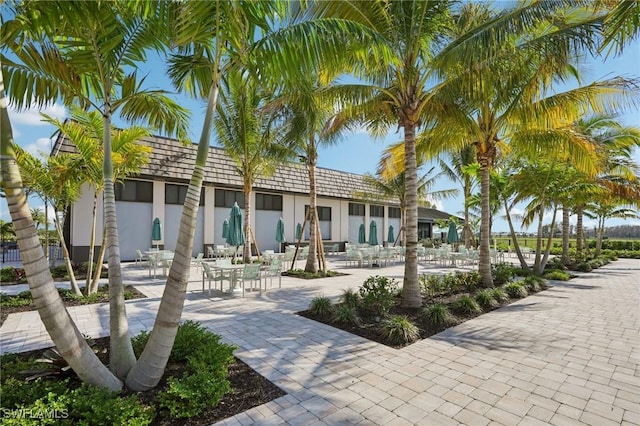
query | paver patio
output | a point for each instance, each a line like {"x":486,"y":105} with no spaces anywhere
{"x":568,"y":355}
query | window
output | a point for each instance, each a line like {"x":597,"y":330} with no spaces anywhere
{"x":376,"y":211}
{"x":324,"y":213}
{"x":394,"y":212}
{"x":226,"y":198}
{"x":268,"y":202}
{"x":176,"y":194}
{"x":134,"y":190}
{"x":356,"y":209}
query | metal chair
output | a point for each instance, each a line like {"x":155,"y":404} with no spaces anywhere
{"x":210,"y":275}
{"x":274,"y":270}
{"x":251,"y":274}
{"x":140,"y":257}
{"x":197,"y":261}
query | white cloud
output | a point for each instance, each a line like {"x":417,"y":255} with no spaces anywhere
{"x":31,"y":116}
{"x":40,"y":148}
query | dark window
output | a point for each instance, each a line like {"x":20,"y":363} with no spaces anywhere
{"x":324,"y":213}
{"x":176,"y":194}
{"x":376,"y":211}
{"x":226,"y":198}
{"x":134,"y":190}
{"x":394,"y":212}
{"x":268,"y":202}
{"x":356,"y":209}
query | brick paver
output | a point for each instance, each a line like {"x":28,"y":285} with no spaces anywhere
{"x":568,"y":355}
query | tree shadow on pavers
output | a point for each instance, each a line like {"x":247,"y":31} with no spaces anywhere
{"x":471,"y":339}
{"x":558,"y":285}
{"x":520,"y":307}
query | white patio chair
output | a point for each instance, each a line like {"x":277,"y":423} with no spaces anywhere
{"x":274,"y":270}
{"x":250,"y":274}
{"x":140,"y":257}
{"x":197,"y":261}
{"x":212,"y":275}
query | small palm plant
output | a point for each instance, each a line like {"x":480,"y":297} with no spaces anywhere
{"x":499,"y":295}
{"x":400,"y":330}
{"x":350,"y":297}
{"x":345,"y":314}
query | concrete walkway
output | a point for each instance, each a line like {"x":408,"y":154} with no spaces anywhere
{"x":568,"y":355}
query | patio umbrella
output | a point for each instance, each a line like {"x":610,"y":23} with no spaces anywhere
{"x":280,"y":232}
{"x":298,"y":231}
{"x":361,"y":237}
{"x":156,"y":231}
{"x":391,"y":239}
{"x":452,"y":233}
{"x":236,"y":235}
{"x":225,"y":229}
{"x":373,"y":233}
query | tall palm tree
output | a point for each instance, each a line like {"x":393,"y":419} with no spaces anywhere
{"x":251,"y":134}
{"x":87,"y":54}
{"x":609,"y":207}
{"x":85,"y":131}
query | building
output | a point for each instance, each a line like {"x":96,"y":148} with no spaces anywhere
{"x":160,"y":188}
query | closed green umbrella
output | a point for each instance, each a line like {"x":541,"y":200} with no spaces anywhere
{"x":225,"y":229}
{"x":391,"y":239}
{"x":156,"y":231}
{"x":236,"y":235}
{"x":373,"y":233}
{"x":298,"y":231}
{"x":361,"y":237}
{"x":452,"y":233}
{"x":280,"y":232}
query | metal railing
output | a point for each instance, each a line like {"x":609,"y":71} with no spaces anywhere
{"x":11,"y":254}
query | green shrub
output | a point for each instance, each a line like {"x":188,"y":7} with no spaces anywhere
{"x":21,"y":299}
{"x":499,"y":295}
{"x":59,"y":271}
{"x":467,"y":281}
{"x":555,"y":263}
{"x":437,"y":314}
{"x":192,"y":394}
{"x":139,"y":341}
{"x":516,"y":290}
{"x":466,"y":305}
{"x":485,"y":299}
{"x":345,"y":314}
{"x":400,"y":330}
{"x":535,"y":283}
{"x":92,"y":405}
{"x":502,"y":273}
{"x":557,"y":276}
{"x":583,"y":267}
{"x":377,"y":294}
{"x":195,"y":344}
{"x":350,"y":297}
{"x":431,"y":285}
{"x":321,"y":306}
{"x":8,"y":274}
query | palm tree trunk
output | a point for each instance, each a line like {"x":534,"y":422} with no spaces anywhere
{"x":53,"y":313}
{"x":600,"y":235}
{"x":547,"y":249}
{"x":516,"y":246}
{"x":579,"y":229}
{"x":565,"y":235}
{"x":411,"y":297}
{"x":92,"y":243}
{"x":467,"y":226}
{"x":312,"y":262}
{"x":150,"y":367}
{"x":484,"y":257}
{"x":537,"y":264}
{"x":96,"y":276}
{"x":121,"y":356}
{"x":67,"y":258}
{"x":248,"y":240}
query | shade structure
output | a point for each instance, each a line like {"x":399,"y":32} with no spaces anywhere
{"x":156,"y":231}
{"x":452,"y":233}
{"x":373,"y":233}
{"x":361,"y":236}
{"x":298,"y":231}
{"x":391,"y":238}
{"x":225,"y":229}
{"x":236,"y":234}
{"x":280,"y":231}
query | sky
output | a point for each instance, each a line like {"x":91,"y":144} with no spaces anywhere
{"x":357,"y":152}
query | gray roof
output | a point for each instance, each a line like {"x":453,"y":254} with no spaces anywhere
{"x":170,"y":160}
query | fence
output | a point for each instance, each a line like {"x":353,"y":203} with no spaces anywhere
{"x":9,"y":253}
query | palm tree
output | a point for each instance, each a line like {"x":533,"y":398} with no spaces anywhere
{"x":608,"y":207}
{"x":87,"y":55}
{"x":85,"y":131}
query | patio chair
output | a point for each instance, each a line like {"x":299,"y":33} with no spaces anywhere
{"x":288,"y":258}
{"x":210,"y":253}
{"x":250,"y":274}
{"x":274,"y":270}
{"x":354,"y":256}
{"x":140,"y":257}
{"x":210,"y":275}
{"x":197,"y":261}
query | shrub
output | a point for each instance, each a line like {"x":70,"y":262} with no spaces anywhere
{"x":7,"y":274}
{"x":466,"y":305}
{"x":437,"y":314}
{"x":485,"y":299}
{"x":321,"y":306}
{"x":534,"y":283}
{"x":516,"y":290}
{"x":350,"y":297}
{"x":502,"y":273}
{"x":467,"y":281}
{"x":557,"y":276}
{"x":400,"y":330}
{"x":378,"y":294}
{"x":345,"y":314}
{"x":59,"y":271}
{"x":21,"y":299}
{"x":583,"y":267}
{"x":190,"y":395}
{"x":555,"y":263}
{"x":92,"y":405}
{"x":499,"y":295}
{"x":194,"y":344}
{"x":431,"y":285}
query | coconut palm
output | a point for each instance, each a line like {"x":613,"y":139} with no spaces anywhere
{"x":609,"y":207}
{"x":85,"y":131}
{"x":87,"y":55}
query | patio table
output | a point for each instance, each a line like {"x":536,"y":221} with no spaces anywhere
{"x":232,"y":273}
{"x":156,"y":256}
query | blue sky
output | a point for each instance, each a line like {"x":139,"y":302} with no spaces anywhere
{"x":357,"y":153}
